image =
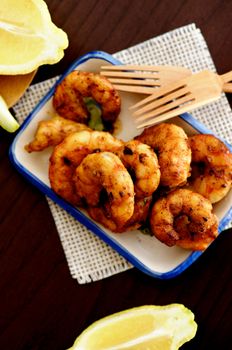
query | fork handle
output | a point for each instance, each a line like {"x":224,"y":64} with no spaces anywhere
{"x":226,"y":78}
{"x":227,"y":87}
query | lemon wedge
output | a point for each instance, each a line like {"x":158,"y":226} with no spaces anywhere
{"x":141,"y":328}
{"x":7,"y":120}
{"x":29,"y":38}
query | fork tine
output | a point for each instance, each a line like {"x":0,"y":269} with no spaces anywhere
{"x":166,"y":90}
{"x":135,"y":88}
{"x":135,"y":82}
{"x":127,"y":67}
{"x":136,"y":75}
{"x":167,"y":107}
{"x":145,"y":67}
{"x":162,"y":101}
{"x":142,"y":78}
{"x":163,"y":117}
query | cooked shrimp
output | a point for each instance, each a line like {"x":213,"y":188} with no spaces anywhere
{"x":142,"y":164}
{"x":51,"y":132}
{"x":68,"y":98}
{"x":184,"y":218}
{"x":140,"y":214}
{"x":174,"y":154}
{"x":213,"y":178}
{"x":104,"y":171}
{"x":68,"y":155}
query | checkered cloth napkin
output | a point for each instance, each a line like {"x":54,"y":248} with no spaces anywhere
{"x":89,"y":259}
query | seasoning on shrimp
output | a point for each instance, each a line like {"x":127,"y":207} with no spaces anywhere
{"x":142,"y":164}
{"x":51,"y":132}
{"x":140,"y":214}
{"x":105,"y":171}
{"x":174,"y":154}
{"x":69,"y":96}
{"x":184,"y":218}
{"x":68,"y":155}
{"x":213,"y":175}
{"x":138,"y":219}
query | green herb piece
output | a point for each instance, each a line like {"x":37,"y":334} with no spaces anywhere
{"x":95,"y":121}
{"x":145,"y":230}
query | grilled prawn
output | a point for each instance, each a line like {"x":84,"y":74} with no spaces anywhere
{"x":69,"y":96}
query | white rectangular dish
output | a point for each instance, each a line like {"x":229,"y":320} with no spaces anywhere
{"x":142,"y":250}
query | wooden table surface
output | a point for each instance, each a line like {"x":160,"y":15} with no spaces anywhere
{"x":41,"y":306}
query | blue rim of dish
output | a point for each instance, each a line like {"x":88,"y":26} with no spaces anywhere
{"x":91,"y":225}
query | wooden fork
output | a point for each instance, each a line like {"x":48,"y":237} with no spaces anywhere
{"x":142,"y":79}
{"x":180,"y":97}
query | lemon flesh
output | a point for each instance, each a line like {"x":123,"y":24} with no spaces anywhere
{"x":146,"y":327}
{"x":29,"y":38}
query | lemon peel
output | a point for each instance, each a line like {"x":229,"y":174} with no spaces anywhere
{"x":29,"y":38}
{"x":7,"y":120}
{"x":145,"y":327}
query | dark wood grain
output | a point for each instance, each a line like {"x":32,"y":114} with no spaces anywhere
{"x":41,"y":306}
